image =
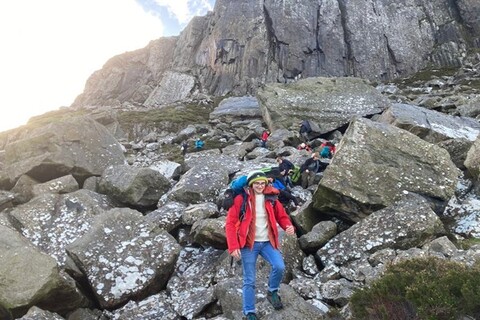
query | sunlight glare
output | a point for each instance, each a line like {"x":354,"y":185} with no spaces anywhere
{"x":51,"y":47}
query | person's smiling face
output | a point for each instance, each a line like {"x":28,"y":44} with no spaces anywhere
{"x":259,"y":186}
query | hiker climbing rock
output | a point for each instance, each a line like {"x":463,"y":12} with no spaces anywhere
{"x":257,"y":234}
{"x":265,"y":135}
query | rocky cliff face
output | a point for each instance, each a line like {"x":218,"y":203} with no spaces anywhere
{"x":102,"y":217}
{"x":243,"y":44}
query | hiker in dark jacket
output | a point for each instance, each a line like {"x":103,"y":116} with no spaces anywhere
{"x":285,"y":166}
{"x":310,"y":168}
{"x":305,"y":129}
{"x":184,"y":148}
{"x":257,"y":234}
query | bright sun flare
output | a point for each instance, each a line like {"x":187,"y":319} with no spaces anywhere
{"x":51,"y":47}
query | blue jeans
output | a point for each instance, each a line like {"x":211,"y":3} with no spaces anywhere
{"x":249,"y":263}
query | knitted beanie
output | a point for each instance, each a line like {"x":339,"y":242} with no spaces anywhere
{"x":256,"y":176}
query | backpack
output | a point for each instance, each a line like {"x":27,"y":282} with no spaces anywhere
{"x":295,"y":174}
{"x":271,"y":171}
{"x":278,"y":184}
{"x":325,"y":153}
{"x":235,"y":188}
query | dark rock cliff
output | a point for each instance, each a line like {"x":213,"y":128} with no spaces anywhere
{"x":243,"y":44}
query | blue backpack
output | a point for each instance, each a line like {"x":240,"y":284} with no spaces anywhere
{"x":325,"y":153}
{"x":278,"y":184}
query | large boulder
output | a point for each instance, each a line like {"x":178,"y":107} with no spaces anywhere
{"x":430,"y":125}
{"x":472,"y":162}
{"x":139,"y":187}
{"x":201,"y":183}
{"x":78,"y":146}
{"x":237,"y":108}
{"x":375,"y":164}
{"x":116,"y":269}
{"x":331,"y":103}
{"x":32,"y":278}
{"x":52,"y":221}
{"x":191,"y":286}
{"x":408,"y":223}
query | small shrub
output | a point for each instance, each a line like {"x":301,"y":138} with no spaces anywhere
{"x":429,"y":288}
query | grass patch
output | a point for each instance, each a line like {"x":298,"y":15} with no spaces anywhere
{"x":466,"y":244}
{"x":424,"y":76}
{"x":54,"y":116}
{"x":428,"y":288}
{"x":170,"y":118}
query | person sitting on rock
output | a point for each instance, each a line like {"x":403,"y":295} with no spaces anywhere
{"x":304,"y":146}
{"x":285,"y":195}
{"x":184,"y":147}
{"x":305,"y":129}
{"x":285,"y":167}
{"x":310,"y":168}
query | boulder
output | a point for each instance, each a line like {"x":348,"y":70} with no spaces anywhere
{"x":376,"y":164}
{"x":472,"y":162}
{"x":408,"y":223}
{"x":430,"y":125}
{"x":116,"y":269}
{"x":78,"y":146}
{"x":331,"y":103}
{"x":237,"y":108}
{"x":32,"y":278}
{"x":200,"y":184}
{"x":191,"y":286}
{"x":62,"y":185}
{"x":167,"y":217}
{"x":139,"y":187}
{"x":158,"y":306}
{"x":52,"y":221}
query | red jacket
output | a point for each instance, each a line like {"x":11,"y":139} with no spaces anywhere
{"x":236,"y":232}
{"x":265,"y":135}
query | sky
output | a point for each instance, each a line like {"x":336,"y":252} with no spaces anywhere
{"x":49,"y":48}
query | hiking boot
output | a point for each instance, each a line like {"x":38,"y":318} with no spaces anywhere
{"x":275,"y":300}
{"x":251,"y":316}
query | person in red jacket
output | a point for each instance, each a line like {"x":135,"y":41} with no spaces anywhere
{"x":257,"y":234}
{"x":265,"y":135}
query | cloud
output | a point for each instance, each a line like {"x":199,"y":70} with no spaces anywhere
{"x":51,"y":47}
{"x":182,"y":10}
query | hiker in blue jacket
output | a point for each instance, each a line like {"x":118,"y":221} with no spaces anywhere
{"x":285,"y":195}
{"x":199,"y":144}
